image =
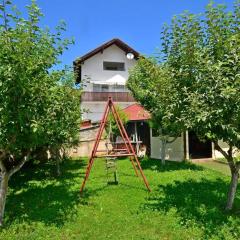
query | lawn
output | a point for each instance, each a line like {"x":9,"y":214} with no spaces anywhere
{"x":219,"y":166}
{"x":186,"y":202}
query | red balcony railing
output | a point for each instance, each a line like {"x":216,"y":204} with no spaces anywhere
{"x":103,"y":96}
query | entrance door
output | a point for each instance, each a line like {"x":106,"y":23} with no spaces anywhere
{"x":143,"y":132}
{"x":198,"y":149}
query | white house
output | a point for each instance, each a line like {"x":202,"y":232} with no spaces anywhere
{"x":103,"y":72}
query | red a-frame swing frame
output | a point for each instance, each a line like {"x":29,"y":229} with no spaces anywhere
{"x":129,"y":150}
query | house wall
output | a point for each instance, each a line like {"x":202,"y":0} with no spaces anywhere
{"x":225,"y":147}
{"x":87,"y":140}
{"x":96,"y":109}
{"x":174,"y":151}
{"x":92,"y":71}
{"x":92,"y":68}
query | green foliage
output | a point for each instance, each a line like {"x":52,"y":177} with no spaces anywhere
{"x":202,"y":53}
{"x":35,"y":109}
{"x":183,"y":204}
{"x":38,"y":106}
{"x":195,"y":81}
{"x":152,"y":85}
{"x":112,"y":125}
{"x":63,"y":121}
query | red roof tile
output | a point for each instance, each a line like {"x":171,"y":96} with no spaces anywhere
{"x":136,"y":112}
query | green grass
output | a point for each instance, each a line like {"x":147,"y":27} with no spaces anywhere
{"x":219,"y":166}
{"x":186,"y":202}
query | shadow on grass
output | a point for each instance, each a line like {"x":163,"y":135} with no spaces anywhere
{"x":196,"y":202}
{"x":47,"y":171}
{"x":155,"y":164}
{"x":36,"y":195}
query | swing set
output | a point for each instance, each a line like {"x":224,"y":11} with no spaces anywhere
{"x":112,"y":154}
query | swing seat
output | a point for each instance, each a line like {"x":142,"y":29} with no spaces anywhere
{"x":111,"y":167}
{"x":111,"y":164}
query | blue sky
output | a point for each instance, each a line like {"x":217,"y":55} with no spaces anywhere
{"x":93,"y":22}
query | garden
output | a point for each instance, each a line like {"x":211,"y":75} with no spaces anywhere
{"x":191,"y":84}
{"x":187,"y":202}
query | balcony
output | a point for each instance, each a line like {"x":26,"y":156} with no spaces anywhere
{"x":103,"y":96}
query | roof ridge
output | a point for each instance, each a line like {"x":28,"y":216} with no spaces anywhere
{"x":124,"y":46}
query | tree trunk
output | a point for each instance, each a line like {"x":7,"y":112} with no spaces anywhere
{"x":58,"y":165}
{"x":3,"y":194}
{"x":232,"y":190}
{"x":58,"y":161}
{"x":55,"y":155}
{"x":163,"y":150}
{"x":234,"y":167}
{"x":5,"y":176}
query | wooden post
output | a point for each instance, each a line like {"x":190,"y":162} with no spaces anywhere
{"x":187,"y":146}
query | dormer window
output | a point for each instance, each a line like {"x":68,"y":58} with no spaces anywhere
{"x":114,"y":66}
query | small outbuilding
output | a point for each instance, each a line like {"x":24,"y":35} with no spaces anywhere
{"x":138,"y":128}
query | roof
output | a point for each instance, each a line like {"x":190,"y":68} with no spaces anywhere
{"x":115,"y":41}
{"x":136,"y":112}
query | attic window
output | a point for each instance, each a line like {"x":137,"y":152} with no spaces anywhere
{"x":114,"y":66}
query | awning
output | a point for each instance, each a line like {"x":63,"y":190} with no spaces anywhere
{"x":115,"y":80}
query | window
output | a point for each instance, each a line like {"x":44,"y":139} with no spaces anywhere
{"x":100,"y":88}
{"x":114,"y":66}
{"x":96,"y":88}
{"x":105,"y":88}
{"x":119,"y":88}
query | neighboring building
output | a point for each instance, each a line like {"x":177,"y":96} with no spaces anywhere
{"x":103,"y":73}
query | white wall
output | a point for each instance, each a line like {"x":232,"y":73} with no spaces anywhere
{"x":174,"y":151}
{"x":92,"y":71}
{"x":92,"y":68}
{"x":225,"y":147}
{"x":96,"y":109}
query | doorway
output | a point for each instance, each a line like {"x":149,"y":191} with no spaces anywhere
{"x":143,"y":133}
{"x":197,"y":148}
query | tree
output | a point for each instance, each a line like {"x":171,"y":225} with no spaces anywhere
{"x":151,"y":85}
{"x":200,"y":55}
{"x":28,"y":86}
{"x":63,"y":121}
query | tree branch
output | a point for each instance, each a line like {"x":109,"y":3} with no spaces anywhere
{"x":229,"y":156}
{"x":4,"y":15}
{"x":168,"y":141}
{"x":230,"y":151}
{"x":218,"y":148}
{"x":238,"y":166}
{"x":2,"y":156}
{"x":20,"y":164}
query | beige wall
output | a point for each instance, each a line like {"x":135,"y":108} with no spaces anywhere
{"x":174,"y":151}
{"x":87,"y":140}
{"x":84,"y":149}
